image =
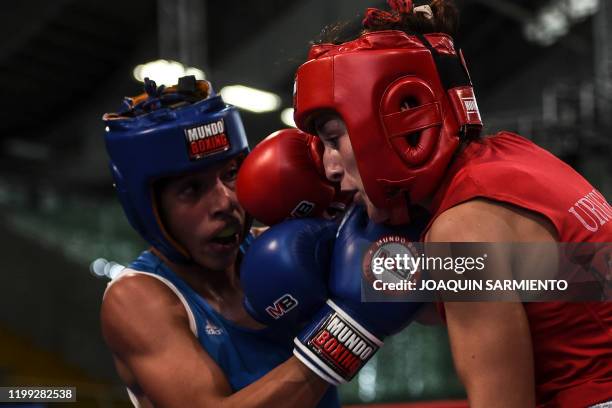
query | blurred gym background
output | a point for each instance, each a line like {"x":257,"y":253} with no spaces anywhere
{"x":542,"y":68}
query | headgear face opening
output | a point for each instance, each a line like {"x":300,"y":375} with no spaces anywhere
{"x":177,"y":136}
{"x":406,"y":101}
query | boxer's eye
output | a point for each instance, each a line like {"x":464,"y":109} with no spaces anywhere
{"x":330,"y":128}
{"x":230,"y":172}
{"x":332,"y":142}
{"x":190,"y":189}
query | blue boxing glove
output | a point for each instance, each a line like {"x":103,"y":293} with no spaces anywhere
{"x":346,"y":332}
{"x":285,"y":271}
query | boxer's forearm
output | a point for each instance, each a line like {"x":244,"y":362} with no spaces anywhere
{"x":291,"y":384}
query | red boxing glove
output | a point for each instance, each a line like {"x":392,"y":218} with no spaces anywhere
{"x":283,"y":177}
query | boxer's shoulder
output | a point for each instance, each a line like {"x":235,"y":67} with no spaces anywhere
{"x":485,"y":220}
{"x":136,"y":308}
{"x":476,"y":220}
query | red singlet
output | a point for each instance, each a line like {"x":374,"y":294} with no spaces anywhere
{"x":572,"y":342}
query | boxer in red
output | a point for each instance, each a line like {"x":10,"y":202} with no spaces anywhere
{"x":394,"y":104}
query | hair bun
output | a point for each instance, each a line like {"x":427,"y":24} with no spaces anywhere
{"x":446,"y":15}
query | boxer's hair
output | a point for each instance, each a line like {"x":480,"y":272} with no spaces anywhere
{"x":445,"y":20}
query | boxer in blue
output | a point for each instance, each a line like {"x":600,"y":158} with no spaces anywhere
{"x":174,"y":319}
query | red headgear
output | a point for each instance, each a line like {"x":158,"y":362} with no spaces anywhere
{"x":406,"y":101}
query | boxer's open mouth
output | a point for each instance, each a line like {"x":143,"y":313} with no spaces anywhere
{"x":228,"y":235}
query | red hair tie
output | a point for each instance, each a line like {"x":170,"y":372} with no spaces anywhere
{"x":401,"y":6}
{"x":374,"y":17}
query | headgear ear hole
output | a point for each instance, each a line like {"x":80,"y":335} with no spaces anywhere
{"x":413,"y":139}
{"x":409,"y":102}
{"x":409,"y":93}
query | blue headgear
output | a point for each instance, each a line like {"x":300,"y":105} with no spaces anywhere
{"x":165,"y":132}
